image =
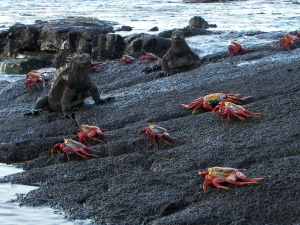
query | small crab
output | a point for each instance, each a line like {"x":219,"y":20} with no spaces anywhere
{"x":216,"y":175}
{"x":226,"y":109}
{"x":288,"y":40}
{"x":148,"y":57}
{"x":34,"y":76}
{"x":97,"y":64}
{"x":70,"y":145}
{"x":87,"y":131}
{"x":126,"y":59}
{"x":209,"y":102}
{"x":154,"y":131}
{"x":235,"y":48}
{"x":296,"y":33}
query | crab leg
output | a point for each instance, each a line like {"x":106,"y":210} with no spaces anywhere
{"x":243,"y":113}
{"x":91,"y":134}
{"x":69,"y":149}
{"x":232,"y":179}
{"x":196,"y":109}
{"x":217,"y":185}
{"x":86,"y":148}
{"x":29,"y":82}
{"x":57,"y":147}
{"x":242,"y":177}
{"x":83,"y":139}
{"x":152,"y":136}
{"x":168,"y":136}
{"x":160,"y":137}
{"x":99,"y":132}
{"x":85,"y":153}
{"x":233,"y":113}
{"x":202,"y":174}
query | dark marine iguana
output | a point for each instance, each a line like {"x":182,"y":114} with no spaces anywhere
{"x":179,"y":55}
{"x":69,"y":88}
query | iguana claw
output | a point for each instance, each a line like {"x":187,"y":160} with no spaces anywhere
{"x":33,"y":112}
{"x":166,"y":73}
{"x":149,"y":69}
{"x":104,"y":100}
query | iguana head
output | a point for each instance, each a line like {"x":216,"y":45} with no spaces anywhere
{"x":80,"y":61}
{"x":177,"y":35}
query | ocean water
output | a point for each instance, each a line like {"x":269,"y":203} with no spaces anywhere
{"x":252,"y":15}
{"x":12,"y":214}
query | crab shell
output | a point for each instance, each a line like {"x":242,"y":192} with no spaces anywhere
{"x":33,"y":77}
{"x":226,"y":109}
{"x":126,"y":59}
{"x":148,"y":57}
{"x":209,"y":102}
{"x":77,"y":148}
{"x":215,"y":175}
{"x":87,"y":131}
{"x":154,"y":132}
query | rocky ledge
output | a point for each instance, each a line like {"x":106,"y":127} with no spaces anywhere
{"x":48,"y":44}
{"x":136,"y":182}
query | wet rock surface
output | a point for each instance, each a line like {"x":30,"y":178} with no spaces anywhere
{"x":135,"y":182}
{"x":48,"y":44}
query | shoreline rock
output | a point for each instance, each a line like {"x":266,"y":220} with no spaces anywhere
{"x":55,"y":40}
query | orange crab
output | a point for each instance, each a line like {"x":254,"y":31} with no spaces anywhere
{"x":229,"y":108}
{"x":209,"y":102}
{"x":235,"y":48}
{"x":216,"y":175}
{"x":154,"y":131}
{"x":34,"y":76}
{"x":288,"y":40}
{"x":148,"y":57}
{"x":87,"y":131}
{"x":126,"y":59}
{"x":70,"y":145}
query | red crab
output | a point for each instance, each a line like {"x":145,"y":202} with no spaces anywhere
{"x":70,"y":145}
{"x":288,"y":40}
{"x":33,"y":77}
{"x":216,"y":175}
{"x":87,"y":131}
{"x":148,"y":57}
{"x":154,"y":131}
{"x":296,"y":34}
{"x":126,"y":59}
{"x":235,"y":48}
{"x":97,"y":64}
{"x":208,"y":102}
{"x":229,"y":108}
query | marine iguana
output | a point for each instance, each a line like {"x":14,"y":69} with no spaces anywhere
{"x":70,"y":87}
{"x":179,"y":55}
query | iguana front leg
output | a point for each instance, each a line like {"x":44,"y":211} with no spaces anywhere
{"x":150,"y":69}
{"x":39,"y":105}
{"x":96,"y":96}
{"x":66,"y":102}
{"x":166,"y":71}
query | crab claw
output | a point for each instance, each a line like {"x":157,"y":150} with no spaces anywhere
{"x":87,"y":131}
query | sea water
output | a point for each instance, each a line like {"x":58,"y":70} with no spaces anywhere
{"x":12,"y":214}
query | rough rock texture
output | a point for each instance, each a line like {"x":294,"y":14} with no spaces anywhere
{"x":49,"y":44}
{"x":135,"y":182}
{"x":198,"y":22}
{"x":73,"y":34}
